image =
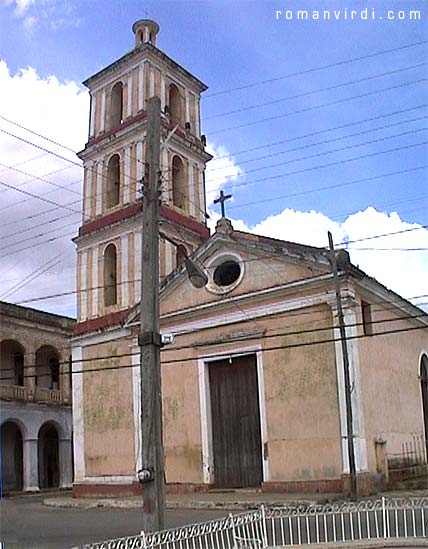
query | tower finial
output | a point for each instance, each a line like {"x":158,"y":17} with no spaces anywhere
{"x":145,"y":31}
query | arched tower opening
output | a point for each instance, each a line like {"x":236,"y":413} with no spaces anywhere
{"x":116,"y":106}
{"x":110,"y":275}
{"x":113,"y":181}
{"x":178,"y":182}
{"x":175,"y":105}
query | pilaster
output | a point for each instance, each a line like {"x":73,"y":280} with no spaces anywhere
{"x":360,"y":443}
{"x":31,"y":465}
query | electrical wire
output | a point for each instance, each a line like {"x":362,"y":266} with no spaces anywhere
{"x":316,"y":69}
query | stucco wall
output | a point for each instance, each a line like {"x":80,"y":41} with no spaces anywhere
{"x":181,"y":422}
{"x":391,"y":388}
{"x":108,"y":410}
{"x":299,"y":401}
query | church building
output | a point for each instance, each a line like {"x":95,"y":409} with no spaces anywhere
{"x":253,"y":385}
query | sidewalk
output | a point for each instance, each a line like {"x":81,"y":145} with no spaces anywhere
{"x":233,"y":500}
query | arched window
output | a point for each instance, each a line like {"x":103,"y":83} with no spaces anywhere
{"x":424,"y":393}
{"x":113,"y":181}
{"x":47,"y":368}
{"x":178,"y":182}
{"x":110,"y":275}
{"x":116,"y":105}
{"x":174,"y":105}
{"x":181,"y":255}
{"x":11,"y":363}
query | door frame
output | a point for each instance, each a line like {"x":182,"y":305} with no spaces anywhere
{"x":205,"y":408}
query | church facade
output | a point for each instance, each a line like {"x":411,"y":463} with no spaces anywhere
{"x":252,"y":386}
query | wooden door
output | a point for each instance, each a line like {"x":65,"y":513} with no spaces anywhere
{"x":236,"y":422}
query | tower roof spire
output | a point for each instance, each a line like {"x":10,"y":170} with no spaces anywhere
{"x":145,"y":31}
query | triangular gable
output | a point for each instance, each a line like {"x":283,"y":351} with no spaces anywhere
{"x":264,"y":263}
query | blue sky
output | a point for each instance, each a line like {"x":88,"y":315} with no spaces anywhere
{"x":357,"y":109}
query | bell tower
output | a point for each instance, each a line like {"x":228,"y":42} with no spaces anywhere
{"x":109,"y":239}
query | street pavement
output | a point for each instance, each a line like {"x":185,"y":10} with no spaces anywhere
{"x":26,"y":523}
{"x":58,"y":521}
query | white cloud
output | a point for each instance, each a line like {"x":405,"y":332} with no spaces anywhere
{"x":30,"y":21}
{"x":220,"y":172}
{"x":52,"y":13}
{"x":22,"y":6}
{"x":398,"y":268}
{"x":58,"y":110}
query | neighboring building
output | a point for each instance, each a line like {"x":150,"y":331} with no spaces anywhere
{"x":253,"y":391}
{"x":35,"y":399}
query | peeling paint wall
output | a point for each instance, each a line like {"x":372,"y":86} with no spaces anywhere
{"x":390,"y":367}
{"x":108,"y":410}
{"x":303,"y":432}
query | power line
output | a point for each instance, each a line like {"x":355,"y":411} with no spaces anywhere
{"x":328,"y":187}
{"x":43,"y":179}
{"x":37,"y":196}
{"x":324,"y":153}
{"x":326,"y":141}
{"x":330,"y":164}
{"x":42,"y":269}
{"x":315,"y":69}
{"x":37,"y":134}
{"x":321,"y":106}
{"x":33,"y":237}
{"x":318,"y":132}
{"x":226,"y":354}
{"x":319,"y":90}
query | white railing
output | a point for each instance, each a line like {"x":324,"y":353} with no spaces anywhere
{"x":42,"y":394}
{"x":39,"y":394}
{"x":291,"y":526}
{"x":14,"y":392}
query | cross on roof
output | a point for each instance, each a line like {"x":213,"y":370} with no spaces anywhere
{"x":222,"y":199}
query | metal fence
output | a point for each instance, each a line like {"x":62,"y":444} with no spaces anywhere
{"x":291,"y":526}
{"x":413,"y":453}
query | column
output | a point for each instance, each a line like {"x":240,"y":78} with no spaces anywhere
{"x":31,"y":465}
{"x":126,"y":174}
{"x":64,"y":381}
{"x":99,"y":200}
{"x":166,"y":177}
{"x":152,"y":82}
{"x":92,"y":117}
{"x":360,"y":444}
{"x":162,"y":97}
{"x":137,"y":265}
{"x":78,"y":423}
{"x":202,"y":194}
{"x":65,"y":463}
{"x":130,"y":90}
{"x":187,"y":100}
{"x":103,"y":112}
{"x":192,"y":194}
{"x":87,"y":178}
{"x":96,"y":289}
{"x":30,"y":372}
{"x":83,"y":287}
{"x":141,"y":93}
{"x":136,"y":390}
{"x":124,"y":271}
{"x":197,"y":117}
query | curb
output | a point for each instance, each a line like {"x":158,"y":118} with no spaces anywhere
{"x":112,"y":503}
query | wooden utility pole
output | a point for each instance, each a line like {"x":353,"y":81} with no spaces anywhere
{"x":349,"y":424}
{"x":152,"y":473}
